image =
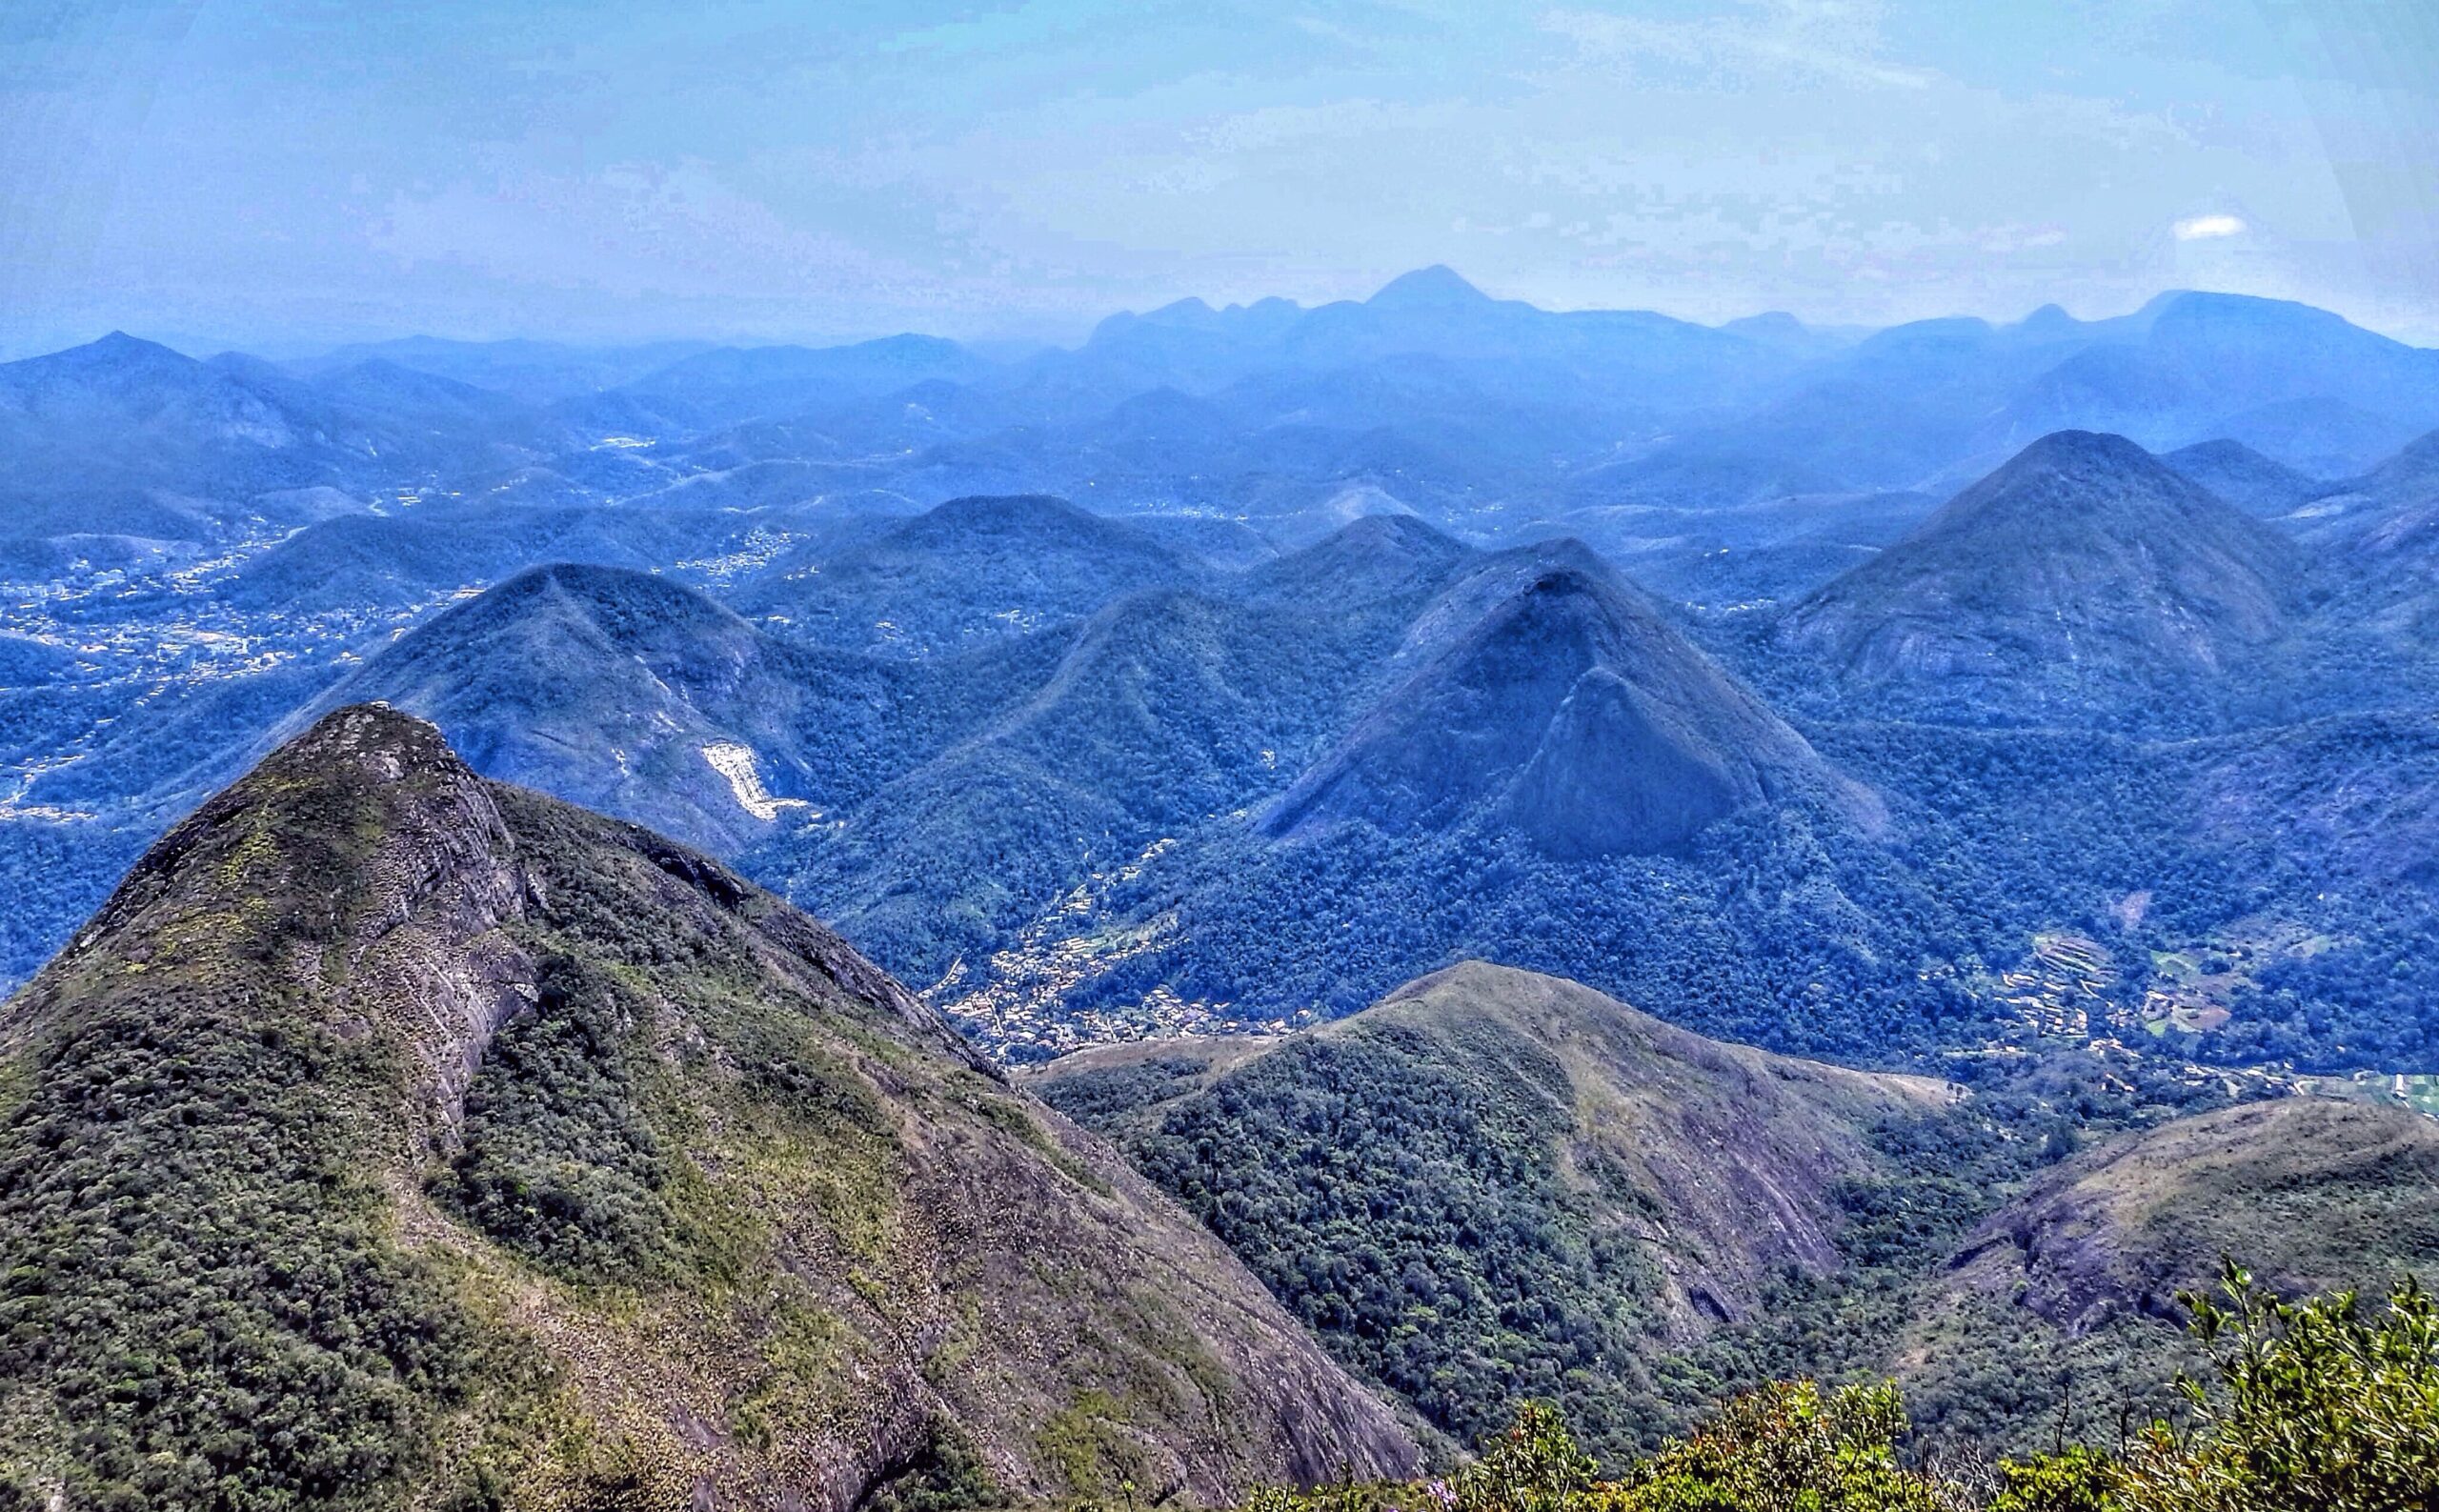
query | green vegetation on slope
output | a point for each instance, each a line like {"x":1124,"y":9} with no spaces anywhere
{"x":1494,"y":1187}
{"x":2321,"y":1405}
{"x":1415,"y":1215}
{"x":397,"y":1140}
{"x":206,"y":1301}
{"x":1483,"y":1190}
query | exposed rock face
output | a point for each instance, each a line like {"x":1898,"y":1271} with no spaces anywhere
{"x":609,"y":686}
{"x":410,"y":934}
{"x":2309,"y":1194}
{"x":642,"y":1152}
{"x":1739,"y":1147}
{"x":1544,"y":685}
{"x":2084,"y":561}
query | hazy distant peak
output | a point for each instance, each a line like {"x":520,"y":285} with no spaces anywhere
{"x":2203,"y":311}
{"x":117,"y":350}
{"x":1191,"y":310}
{"x":1437,"y":287}
{"x":1769,"y":325}
{"x":1394,"y":530}
{"x":2083,"y":561}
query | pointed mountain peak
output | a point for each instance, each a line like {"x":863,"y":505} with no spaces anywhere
{"x":1437,"y":287}
{"x":117,"y":351}
{"x":1392,"y":532}
{"x":363,"y":760}
{"x":372,"y":735}
{"x":1192,"y":310}
{"x":2077,"y":473}
{"x":375,"y":965}
{"x":2082,"y":567}
{"x":368,"y":801}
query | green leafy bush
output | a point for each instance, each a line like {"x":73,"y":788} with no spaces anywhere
{"x":1789,"y":1447}
{"x":2321,"y":1407}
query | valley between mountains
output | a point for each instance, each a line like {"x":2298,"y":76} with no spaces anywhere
{"x":397,"y":1137}
{"x":896,"y":929}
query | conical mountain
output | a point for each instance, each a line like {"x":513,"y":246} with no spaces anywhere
{"x":1372,"y":559}
{"x":632,"y":695}
{"x":1437,"y":287}
{"x":2083,"y":560}
{"x":1543,"y":690}
{"x":2244,"y":477}
{"x":394,"y":1138}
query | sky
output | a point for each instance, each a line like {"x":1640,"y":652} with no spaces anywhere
{"x":282,"y":173}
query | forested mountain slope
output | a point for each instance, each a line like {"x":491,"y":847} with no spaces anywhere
{"x":1494,"y":1185}
{"x":398,"y":1139}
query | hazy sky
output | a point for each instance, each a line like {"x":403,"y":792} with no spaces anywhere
{"x":280,"y":172}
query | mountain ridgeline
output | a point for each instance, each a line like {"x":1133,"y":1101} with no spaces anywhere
{"x":394,"y":1138}
{"x":1493,"y":1185}
{"x":1998,"y":762}
{"x":935,"y":794}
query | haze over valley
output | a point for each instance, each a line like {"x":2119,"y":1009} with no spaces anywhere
{"x":1151,"y":685}
{"x":1717,"y":792}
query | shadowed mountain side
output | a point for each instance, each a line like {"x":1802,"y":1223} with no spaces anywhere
{"x":620,"y":1181}
{"x":1165,"y":711}
{"x":1544,"y":685}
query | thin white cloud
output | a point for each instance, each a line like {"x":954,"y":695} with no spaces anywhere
{"x":2209,"y":228}
{"x":1828,"y":40}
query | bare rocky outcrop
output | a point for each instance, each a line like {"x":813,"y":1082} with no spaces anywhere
{"x":2311,"y":1194}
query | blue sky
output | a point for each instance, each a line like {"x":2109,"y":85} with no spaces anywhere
{"x":277,"y":172}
